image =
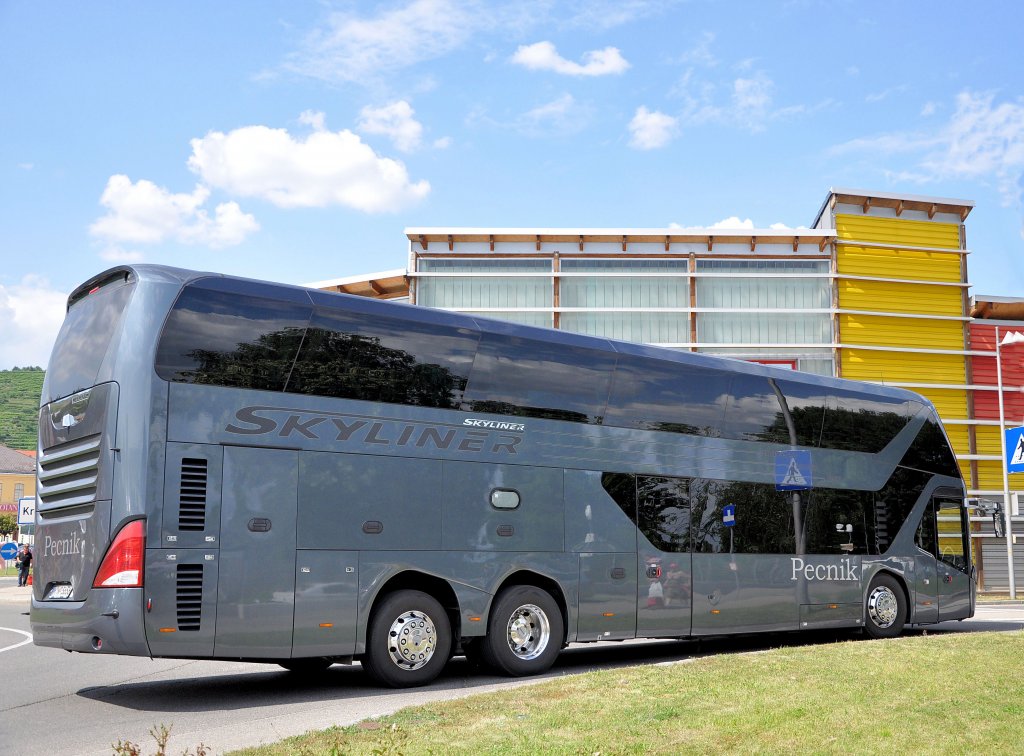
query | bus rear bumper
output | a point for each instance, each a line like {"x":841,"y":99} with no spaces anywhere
{"x":110,"y":621}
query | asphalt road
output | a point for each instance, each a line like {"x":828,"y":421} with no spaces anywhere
{"x":55,"y":703}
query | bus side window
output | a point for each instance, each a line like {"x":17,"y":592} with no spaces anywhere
{"x":667,"y":396}
{"x":230,"y":338}
{"x":351,"y":355}
{"x":516,"y":376}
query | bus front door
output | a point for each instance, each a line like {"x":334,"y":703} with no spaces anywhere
{"x":954,"y":559}
{"x":663,"y":558}
{"x":256,"y":587}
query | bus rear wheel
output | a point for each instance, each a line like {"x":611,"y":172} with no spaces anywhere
{"x":409,"y":640}
{"x":524,"y":632}
{"x":885,"y":610}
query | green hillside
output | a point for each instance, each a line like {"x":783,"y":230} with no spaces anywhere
{"x":20,"y":390}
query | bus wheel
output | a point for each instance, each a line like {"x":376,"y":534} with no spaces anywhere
{"x":886,"y":609}
{"x":524,"y":632}
{"x":409,"y":640}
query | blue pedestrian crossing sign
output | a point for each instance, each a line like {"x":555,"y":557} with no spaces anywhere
{"x":729,"y":515}
{"x":793,"y":470}
{"x":1015,"y":450}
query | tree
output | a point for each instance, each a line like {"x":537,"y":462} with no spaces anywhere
{"x":8,"y":524}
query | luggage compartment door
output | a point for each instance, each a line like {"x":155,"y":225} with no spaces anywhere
{"x":256,"y":590}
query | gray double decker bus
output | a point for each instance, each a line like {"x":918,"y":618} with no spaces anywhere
{"x":234,"y":469}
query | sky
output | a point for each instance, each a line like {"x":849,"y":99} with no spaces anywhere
{"x":295,"y":141}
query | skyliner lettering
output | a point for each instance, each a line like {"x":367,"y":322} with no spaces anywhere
{"x":475,"y":436}
{"x":842,"y":571}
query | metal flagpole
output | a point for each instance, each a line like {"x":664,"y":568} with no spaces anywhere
{"x":1006,"y":475}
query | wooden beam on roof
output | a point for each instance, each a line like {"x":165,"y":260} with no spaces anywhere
{"x":423,"y":241}
{"x":667,"y":243}
{"x":623,"y":242}
{"x":821,"y":244}
{"x":796,"y":243}
{"x":376,"y":288}
{"x":711,"y":242}
{"x":963,"y":213}
{"x":932,"y":210}
{"x":538,"y":242}
{"x":753,"y":243}
{"x":899,"y":209}
{"x":490,"y":239}
{"x":451,"y":243}
{"x":867,"y":204}
{"x":581,"y":242}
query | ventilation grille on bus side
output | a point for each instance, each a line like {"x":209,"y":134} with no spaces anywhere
{"x":190,"y":596}
{"x":68,"y":473}
{"x":192,"y":494}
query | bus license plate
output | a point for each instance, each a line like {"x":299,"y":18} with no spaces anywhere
{"x":59,"y":592}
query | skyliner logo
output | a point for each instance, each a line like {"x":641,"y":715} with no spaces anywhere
{"x":473,"y":435}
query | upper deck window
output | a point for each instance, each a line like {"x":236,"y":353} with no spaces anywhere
{"x":219,"y":334}
{"x":516,"y":376}
{"x":668,"y":396}
{"x":351,"y":356}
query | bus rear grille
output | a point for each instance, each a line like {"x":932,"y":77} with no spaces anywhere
{"x":192,"y":494}
{"x":190,"y":596}
{"x":68,"y":473}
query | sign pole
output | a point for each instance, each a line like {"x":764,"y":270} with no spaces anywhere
{"x":1006,"y":475}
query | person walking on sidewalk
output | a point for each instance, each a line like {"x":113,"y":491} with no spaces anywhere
{"x":24,"y":560}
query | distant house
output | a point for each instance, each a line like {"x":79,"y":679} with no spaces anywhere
{"x":17,"y":478}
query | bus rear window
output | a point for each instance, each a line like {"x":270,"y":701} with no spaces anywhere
{"x":85,"y":336}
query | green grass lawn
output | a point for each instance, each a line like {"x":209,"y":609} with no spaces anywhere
{"x":947,"y":693}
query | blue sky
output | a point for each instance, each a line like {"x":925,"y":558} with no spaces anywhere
{"x":295,"y":141}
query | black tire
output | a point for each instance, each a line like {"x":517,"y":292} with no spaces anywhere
{"x":306,"y":666}
{"x":409,"y":640}
{"x":885,"y":609}
{"x":524,"y":632}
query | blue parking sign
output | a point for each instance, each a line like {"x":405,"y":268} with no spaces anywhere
{"x":793,"y":470}
{"x":1015,"y":450}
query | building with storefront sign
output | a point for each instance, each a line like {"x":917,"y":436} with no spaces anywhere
{"x":875,"y":289}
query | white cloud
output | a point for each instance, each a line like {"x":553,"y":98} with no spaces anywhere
{"x":31,"y":313}
{"x":542,"y":56}
{"x":983,"y":140}
{"x":314,"y":118}
{"x":443,"y":143}
{"x":360,"y":50}
{"x":326,"y":168}
{"x":650,"y":130}
{"x":752,"y":100}
{"x":929,"y":109}
{"x":560,"y":117}
{"x":115,"y":254}
{"x":144,"y":213}
{"x":608,"y":14}
{"x":885,"y":93}
{"x":394,"y":121}
{"x":700,"y":54}
{"x":734,"y":223}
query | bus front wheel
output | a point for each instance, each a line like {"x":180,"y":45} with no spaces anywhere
{"x":409,"y":640}
{"x":885,"y":611}
{"x":524,"y":632}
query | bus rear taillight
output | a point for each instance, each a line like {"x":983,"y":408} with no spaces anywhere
{"x":122,"y":566}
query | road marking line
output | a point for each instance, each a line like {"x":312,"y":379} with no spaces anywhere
{"x":28,"y":638}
